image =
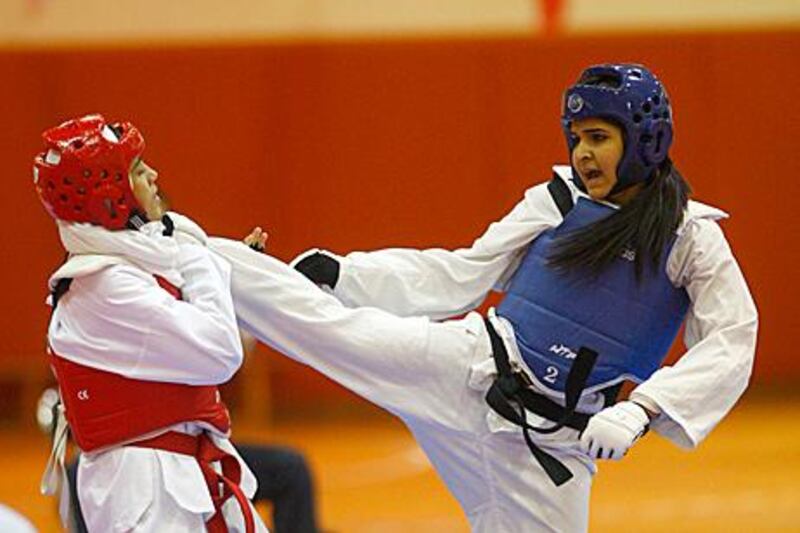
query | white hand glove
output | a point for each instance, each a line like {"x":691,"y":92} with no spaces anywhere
{"x":611,"y":432}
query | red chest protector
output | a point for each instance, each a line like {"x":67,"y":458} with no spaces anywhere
{"x":104,"y":409}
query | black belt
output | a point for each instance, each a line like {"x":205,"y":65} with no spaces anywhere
{"x":510,"y":396}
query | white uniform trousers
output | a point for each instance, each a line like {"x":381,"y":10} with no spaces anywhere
{"x":126,"y":490}
{"x":433,"y":376}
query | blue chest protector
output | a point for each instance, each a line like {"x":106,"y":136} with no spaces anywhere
{"x":630,"y":324}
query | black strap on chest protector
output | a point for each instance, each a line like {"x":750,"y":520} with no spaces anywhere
{"x":561,"y":195}
{"x":510,"y":396}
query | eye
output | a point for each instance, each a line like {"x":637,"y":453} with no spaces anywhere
{"x":599,"y":136}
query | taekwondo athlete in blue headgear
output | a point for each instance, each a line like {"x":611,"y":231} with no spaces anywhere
{"x":599,"y":266}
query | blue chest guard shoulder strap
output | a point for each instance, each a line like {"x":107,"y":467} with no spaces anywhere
{"x":561,"y":194}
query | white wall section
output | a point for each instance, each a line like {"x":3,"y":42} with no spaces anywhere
{"x":54,"y":22}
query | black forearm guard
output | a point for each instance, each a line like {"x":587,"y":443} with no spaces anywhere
{"x":320,"y":268}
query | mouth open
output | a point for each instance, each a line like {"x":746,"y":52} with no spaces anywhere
{"x":592,"y":174}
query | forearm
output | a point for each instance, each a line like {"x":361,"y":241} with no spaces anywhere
{"x":436,"y":283}
{"x":696,"y":393}
{"x":442,"y":283}
{"x":203,"y":322}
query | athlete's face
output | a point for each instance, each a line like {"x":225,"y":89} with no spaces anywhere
{"x":145,"y":190}
{"x":597,"y":153}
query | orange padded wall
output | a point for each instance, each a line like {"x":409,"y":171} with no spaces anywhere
{"x":415,"y":143}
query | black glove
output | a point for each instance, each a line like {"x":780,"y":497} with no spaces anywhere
{"x":320,"y":268}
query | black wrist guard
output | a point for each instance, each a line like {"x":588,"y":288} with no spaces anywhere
{"x":320,"y":268}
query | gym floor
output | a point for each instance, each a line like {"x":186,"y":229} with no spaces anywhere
{"x":372,"y":478}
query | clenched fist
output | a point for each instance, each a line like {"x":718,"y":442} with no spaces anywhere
{"x":611,"y":432}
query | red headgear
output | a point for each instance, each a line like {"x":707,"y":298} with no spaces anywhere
{"x":82,"y":176}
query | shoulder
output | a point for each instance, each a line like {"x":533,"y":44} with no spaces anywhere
{"x":115,"y":284}
{"x":700,"y":211}
{"x":701,"y":247}
{"x":700,"y":226}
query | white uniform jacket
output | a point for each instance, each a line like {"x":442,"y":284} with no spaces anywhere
{"x":692,"y":395}
{"x":116,"y":318}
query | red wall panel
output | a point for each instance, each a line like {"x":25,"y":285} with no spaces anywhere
{"x":415,"y":143}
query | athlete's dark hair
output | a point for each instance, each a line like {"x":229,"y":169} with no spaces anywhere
{"x":644,"y":225}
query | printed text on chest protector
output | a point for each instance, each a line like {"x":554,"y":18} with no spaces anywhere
{"x":563,"y":351}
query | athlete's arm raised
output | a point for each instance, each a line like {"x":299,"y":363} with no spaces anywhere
{"x":442,"y":283}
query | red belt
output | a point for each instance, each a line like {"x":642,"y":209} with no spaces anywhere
{"x":221,"y":486}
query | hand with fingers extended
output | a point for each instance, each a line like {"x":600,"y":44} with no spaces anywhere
{"x":319,"y":266}
{"x":257,"y":239}
{"x":611,"y":432}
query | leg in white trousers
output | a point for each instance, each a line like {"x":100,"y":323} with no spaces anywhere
{"x":419,"y":371}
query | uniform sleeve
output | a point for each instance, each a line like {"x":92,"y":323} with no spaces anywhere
{"x":698,"y":391}
{"x":120,"y":320}
{"x":442,"y":283}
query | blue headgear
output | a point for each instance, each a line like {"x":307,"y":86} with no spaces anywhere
{"x":633,"y":98}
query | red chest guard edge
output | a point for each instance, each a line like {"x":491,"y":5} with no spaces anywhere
{"x":105,"y":409}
